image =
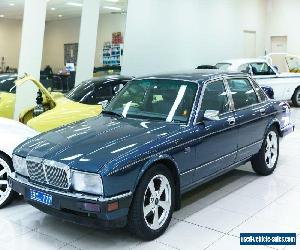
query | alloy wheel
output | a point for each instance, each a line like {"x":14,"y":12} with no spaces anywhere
{"x":271,"y":150}
{"x":157,"y":202}
{"x":5,"y":190}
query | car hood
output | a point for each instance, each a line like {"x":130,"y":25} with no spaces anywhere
{"x":90,"y":144}
{"x":65,"y":112}
{"x":286,"y":74}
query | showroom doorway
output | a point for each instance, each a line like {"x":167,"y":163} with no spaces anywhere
{"x":279,"y":44}
{"x":249,"y":43}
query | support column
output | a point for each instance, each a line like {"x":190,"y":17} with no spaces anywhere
{"x":87,"y":40}
{"x":31,"y":51}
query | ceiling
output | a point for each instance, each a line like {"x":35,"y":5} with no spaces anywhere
{"x":59,"y":9}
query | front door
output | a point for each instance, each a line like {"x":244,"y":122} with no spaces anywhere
{"x":217,"y":146}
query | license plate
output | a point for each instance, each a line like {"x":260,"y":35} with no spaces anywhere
{"x":41,"y":197}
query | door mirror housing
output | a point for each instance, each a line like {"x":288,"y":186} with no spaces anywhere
{"x":103,"y":103}
{"x":208,"y":115}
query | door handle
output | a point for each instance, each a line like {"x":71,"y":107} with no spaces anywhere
{"x":187,"y":150}
{"x":262,"y":111}
{"x":231,"y":121}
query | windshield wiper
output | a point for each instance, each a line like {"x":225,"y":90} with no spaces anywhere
{"x":112,"y":113}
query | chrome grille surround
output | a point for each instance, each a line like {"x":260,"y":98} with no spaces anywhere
{"x":48,"y":172}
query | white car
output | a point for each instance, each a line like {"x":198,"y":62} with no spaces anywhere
{"x":12,"y":133}
{"x":286,"y":86}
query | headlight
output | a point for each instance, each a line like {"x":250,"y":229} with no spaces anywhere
{"x":87,"y":183}
{"x":20,"y":165}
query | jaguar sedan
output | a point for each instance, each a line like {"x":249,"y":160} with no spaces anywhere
{"x":158,"y":138}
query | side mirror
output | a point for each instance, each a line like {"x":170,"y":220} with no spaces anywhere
{"x":208,"y":115}
{"x":103,"y":103}
{"x":276,"y":68}
{"x":211,"y":115}
{"x":268,"y":91}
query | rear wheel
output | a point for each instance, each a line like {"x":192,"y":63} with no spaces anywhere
{"x":265,"y":162}
{"x":153,"y":204}
{"x":296,"y":97}
{"x":6,"y":193}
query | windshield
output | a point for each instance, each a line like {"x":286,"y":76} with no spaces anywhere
{"x":223,"y":66}
{"x":160,"y":99}
{"x":7,"y":84}
{"x":90,"y":92}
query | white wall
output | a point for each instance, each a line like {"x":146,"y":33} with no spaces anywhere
{"x":179,"y":35}
{"x":59,"y":32}
{"x":10,"y":41}
{"x":283,"y":20}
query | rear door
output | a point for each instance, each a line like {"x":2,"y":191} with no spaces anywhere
{"x":251,"y":112}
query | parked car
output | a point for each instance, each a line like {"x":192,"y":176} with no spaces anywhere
{"x":84,"y":101}
{"x":158,"y":138}
{"x":7,"y":95}
{"x":286,"y":86}
{"x":284,"y":62}
{"x":12,"y":133}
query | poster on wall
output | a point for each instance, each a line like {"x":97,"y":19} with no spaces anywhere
{"x":70,"y":53}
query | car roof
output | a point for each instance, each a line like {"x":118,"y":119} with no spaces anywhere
{"x":199,"y":76}
{"x":241,"y":61}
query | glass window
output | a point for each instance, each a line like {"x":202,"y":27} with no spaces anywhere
{"x":160,"y":99}
{"x":243,"y":94}
{"x":245,"y":68}
{"x":7,"y":84}
{"x":223,"y":66}
{"x":259,"y":91}
{"x":215,"y":98}
{"x":261,"y":68}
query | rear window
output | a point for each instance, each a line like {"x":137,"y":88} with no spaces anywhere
{"x":223,"y":66}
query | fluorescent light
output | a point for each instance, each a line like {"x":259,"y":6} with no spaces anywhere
{"x":111,"y":8}
{"x":11,"y":4}
{"x":1,"y":16}
{"x":52,"y":8}
{"x":112,"y":1}
{"x":75,"y":4}
{"x":60,"y":15}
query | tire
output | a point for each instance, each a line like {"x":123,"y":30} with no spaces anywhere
{"x":265,"y":162}
{"x":296,"y":97}
{"x":154,"y":198}
{"x":6,"y":193}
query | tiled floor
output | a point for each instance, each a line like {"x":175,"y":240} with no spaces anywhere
{"x":212,"y":216}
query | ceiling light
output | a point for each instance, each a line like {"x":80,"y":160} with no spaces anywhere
{"x":112,"y":8}
{"x":11,"y":4}
{"x":60,"y":15}
{"x":112,"y":1}
{"x":1,"y":16}
{"x":52,"y":8}
{"x":75,"y":4}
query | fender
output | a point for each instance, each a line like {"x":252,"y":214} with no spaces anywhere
{"x":275,"y":122}
{"x":151,"y":161}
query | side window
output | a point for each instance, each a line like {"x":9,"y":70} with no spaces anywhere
{"x":261,"y":69}
{"x":101,"y":94}
{"x":259,"y":91}
{"x":245,"y":68}
{"x":215,"y":98}
{"x":243,"y":94}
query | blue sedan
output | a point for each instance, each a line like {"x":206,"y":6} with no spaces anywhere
{"x":160,"y":137}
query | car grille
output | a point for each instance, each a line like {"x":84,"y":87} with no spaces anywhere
{"x":51,"y":175}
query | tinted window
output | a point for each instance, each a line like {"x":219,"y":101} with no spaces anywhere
{"x":259,"y":91}
{"x":242,"y":93}
{"x":261,"y":69}
{"x":7,"y":84}
{"x":215,"y":98}
{"x":159,"y":99}
{"x":91,"y":92}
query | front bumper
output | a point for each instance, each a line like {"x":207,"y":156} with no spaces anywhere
{"x":88,"y":210}
{"x":287,"y":130}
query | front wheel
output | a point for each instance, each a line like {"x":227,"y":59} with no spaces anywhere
{"x":153,"y":204}
{"x":296,"y":97}
{"x":265,"y":162}
{"x":6,"y":193}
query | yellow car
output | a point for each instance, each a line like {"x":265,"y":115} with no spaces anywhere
{"x":7,"y":95}
{"x":85,"y":100}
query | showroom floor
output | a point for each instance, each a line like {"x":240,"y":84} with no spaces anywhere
{"x":212,"y":216}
